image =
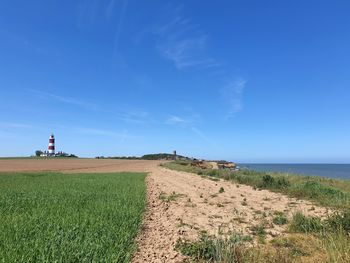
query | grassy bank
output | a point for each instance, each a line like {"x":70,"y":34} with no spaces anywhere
{"x":309,"y":239}
{"x":53,"y":217}
{"x":323,"y":191}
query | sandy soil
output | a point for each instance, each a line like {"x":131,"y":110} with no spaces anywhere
{"x":76,"y":165}
{"x":196,"y":204}
{"x":200,"y":206}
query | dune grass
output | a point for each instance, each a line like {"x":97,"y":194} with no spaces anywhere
{"x":53,"y":217}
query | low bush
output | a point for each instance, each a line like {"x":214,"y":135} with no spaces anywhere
{"x":213,"y":249}
{"x":280,"y":220}
{"x":304,"y":224}
{"x":315,"y":189}
{"x":339,"y":221}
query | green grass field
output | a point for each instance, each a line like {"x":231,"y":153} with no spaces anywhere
{"x":54,"y":217}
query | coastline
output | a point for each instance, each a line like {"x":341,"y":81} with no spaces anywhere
{"x":334,"y":171}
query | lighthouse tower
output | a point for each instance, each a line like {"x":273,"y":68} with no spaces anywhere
{"x":51,"y":149}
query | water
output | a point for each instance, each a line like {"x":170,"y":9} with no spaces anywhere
{"x":327,"y":170}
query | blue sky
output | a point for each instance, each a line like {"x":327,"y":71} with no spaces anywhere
{"x":248,"y":81}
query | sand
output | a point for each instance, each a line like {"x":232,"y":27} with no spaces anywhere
{"x":202,"y":207}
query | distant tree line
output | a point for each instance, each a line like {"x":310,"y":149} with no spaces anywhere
{"x":39,"y":153}
{"x":154,"y":156}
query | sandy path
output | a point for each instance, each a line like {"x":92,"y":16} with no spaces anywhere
{"x":202,"y":207}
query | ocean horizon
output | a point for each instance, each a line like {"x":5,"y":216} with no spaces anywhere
{"x":340,"y":171}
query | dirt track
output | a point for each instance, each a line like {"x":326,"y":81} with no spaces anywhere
{"x":197,"y":204}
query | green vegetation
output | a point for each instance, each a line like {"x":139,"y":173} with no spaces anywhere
{"x":53,"y":217}
{"x":279,"y":219}
{"x":259,"y":230}
{"x":153,"y":156}
{"x":170,"y":197}
{"x":324,"y":191}
{"x":239,"y":249}
{"x":212,"y":249}
{"x":339,"y":221}
{"x":303,"y":224}
{"x":315,"y":241}
{"x":333,"y":233}
{"x":38,"y":153}
{"x":158,"y":156}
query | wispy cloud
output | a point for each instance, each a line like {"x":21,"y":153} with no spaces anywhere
{"x":122,"y":136}
{"x":202,"y":136}
{"x":14,"y":125}
{"x":190,"y":124}
{"x":183,"y":43}
{"x":64,"y":99}
{"x":124,"y":6}
{"x":133,"y":116}
{"x":176,"y":120}
{"x":232,"y":94}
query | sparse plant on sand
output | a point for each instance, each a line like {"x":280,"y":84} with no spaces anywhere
{"x":280,"y":219}
{"x":169,"y":197}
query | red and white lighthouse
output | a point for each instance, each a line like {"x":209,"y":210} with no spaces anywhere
{"x":51,"y":149}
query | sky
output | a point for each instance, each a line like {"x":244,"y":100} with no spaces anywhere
{"x":241,"y":80}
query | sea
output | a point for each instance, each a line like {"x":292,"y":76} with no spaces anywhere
{"x":341,"y":171}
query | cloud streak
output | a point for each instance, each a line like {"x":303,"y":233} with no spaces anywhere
{"x":124,"y":7}
{"x":183,"y":43}
{"x":176,"y":120}
{"x":64,"y":99}
{"x":14,"y":125}
{"x":232,"y":95}
{"x":135,"y":116}
{"x":190,"y":124}
{"x":122,"y":136}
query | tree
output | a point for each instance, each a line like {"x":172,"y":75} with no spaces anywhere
{"x":38,"y":153}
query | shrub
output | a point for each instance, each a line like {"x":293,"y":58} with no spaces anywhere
{"x":213,"y":249}
{"x":280,"y":220}
{"x":204,"y":248}
{"x":258,"y":230}
{"x":213,"y":173}
{"x":267,"y":180}
{"x":38,"y":153}
{"x":282,"y":182}
{"x":339,"y":221}
{"x":304,"y":224}
{"x":314,"y":190}
{"x":275,"y":183}
{"x":221,"y":190}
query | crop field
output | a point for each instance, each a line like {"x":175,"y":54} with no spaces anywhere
{"x":55,"y":217}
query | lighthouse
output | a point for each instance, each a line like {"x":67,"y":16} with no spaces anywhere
{"x":51,"y":148}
